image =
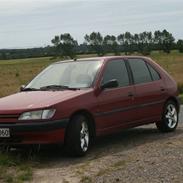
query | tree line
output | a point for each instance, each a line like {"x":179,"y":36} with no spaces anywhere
{"x":128,"y":43}
{"x":65,"y":45}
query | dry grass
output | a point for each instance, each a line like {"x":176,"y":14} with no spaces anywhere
{"x":173,"y":63}
{"x":14,"y":73}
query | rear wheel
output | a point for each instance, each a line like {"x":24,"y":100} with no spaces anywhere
{"x":169,"y":118}
{"x":78,"y":136}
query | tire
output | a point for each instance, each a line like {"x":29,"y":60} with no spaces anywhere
{"x":78,"y":136}
{"x":170,"y":119}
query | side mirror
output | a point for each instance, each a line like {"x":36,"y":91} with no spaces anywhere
{"x":110,"y":84}
{"x":22,"y":87}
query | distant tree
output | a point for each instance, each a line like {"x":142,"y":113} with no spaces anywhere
{"x":68,"y":45}
{"x":95,"y":41}
{"x":157,"y":40}
{"x":56,"y":42}
{"x":164,"y":40}
{"x":121,"y":41}
{"x":180,"y":45}
{"x":168,"y":41}
{"x":110,"y":44}
{"x":3,"y":56}
{"x":136,"y":41}
{"x":144,"y":42}
{"x":65,"y":45}
{"x":129,"y":42}
{"x":83,"y":49}
{"x":126,"y":41}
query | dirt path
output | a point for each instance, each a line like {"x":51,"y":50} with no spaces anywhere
{"x":137,"y":155}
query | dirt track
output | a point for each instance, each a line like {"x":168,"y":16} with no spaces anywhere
{"x":137,"y":155}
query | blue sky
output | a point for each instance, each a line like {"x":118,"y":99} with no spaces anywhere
{"x":33,"y":23}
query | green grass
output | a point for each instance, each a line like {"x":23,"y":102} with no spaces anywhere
{"x":25,"y":174}
{"x":15,"y":169}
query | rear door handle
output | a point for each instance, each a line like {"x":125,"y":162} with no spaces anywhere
{"x":130,"y":94}
{"x":162,"y":89}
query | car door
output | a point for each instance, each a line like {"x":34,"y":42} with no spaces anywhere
{"x":148,"y":85}
{"x":115,"y":105}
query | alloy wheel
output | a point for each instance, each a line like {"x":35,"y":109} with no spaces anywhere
{"x":84,"y":136}
{"x":171,"y":116}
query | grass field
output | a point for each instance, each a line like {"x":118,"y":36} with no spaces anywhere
{"x":14,"y":73}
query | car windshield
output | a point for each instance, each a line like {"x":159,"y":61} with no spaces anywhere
{"x":75,"y":74}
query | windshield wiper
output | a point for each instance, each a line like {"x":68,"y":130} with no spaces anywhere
{"x":57,"y":87}
{"x":29,"y":89}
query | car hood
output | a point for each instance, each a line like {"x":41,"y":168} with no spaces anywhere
{"x":36,"y":99}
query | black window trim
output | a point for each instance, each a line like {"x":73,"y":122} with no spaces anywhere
{"x":148,"y":66}
{"x":128,"y":72}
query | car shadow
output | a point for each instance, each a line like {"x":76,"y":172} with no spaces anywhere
{"x":55,"y":156}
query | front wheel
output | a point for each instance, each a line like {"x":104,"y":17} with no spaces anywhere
{"x":78,"y":136}
{"x":169,"y":120}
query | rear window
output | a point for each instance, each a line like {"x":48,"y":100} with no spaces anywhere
{"x":140,"y":71}
{"x":155,"y":75}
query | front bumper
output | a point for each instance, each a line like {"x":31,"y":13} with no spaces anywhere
{"x":48,"y":132}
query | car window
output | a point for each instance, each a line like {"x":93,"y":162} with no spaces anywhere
{"x":155,"y":75}
{"x":74,"y":74}
{"x":140,"y":71}
{"x":116,"y":69}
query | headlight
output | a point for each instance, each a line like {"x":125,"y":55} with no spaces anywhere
{"x":41,"y":114}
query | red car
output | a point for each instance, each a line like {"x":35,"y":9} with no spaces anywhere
{"x":72,"y":102}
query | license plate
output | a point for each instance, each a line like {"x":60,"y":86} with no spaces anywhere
{"x":4,"y":132}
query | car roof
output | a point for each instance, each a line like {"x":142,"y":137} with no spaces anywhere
{"x":82,"y":59}
{"x":123,"y":57}
{"x":104,"y":58}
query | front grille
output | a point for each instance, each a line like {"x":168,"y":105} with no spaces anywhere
{"x":10,"y":116}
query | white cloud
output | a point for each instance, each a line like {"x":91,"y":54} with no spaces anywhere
{"x":35,"y":22}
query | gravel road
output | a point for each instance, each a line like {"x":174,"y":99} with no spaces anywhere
{"x":137,"y":155}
